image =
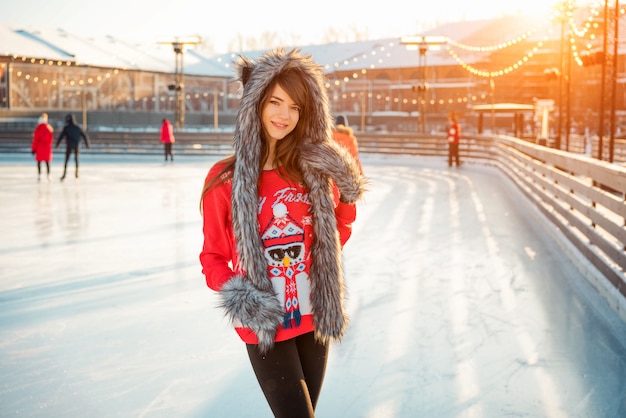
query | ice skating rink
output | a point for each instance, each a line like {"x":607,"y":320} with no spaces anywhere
{"x":462,"y":301}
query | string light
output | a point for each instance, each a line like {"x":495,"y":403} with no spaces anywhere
{"x":497,"y":73}
{"x":499,"y":46}
{"x":581,"y":37}
{"x":566,"y":13}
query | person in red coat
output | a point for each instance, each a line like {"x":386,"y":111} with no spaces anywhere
{"x":344,"y":135}
{"x":454,"y":138}
{"x":41,"y":147}
{"x":167,"y":137}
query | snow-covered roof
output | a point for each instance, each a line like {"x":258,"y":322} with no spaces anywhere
{"x":107,"y":51}
{"x":14,"y":42}
{"x":391,"y":53}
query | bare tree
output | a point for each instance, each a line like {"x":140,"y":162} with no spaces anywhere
{"x":206,"y":44}
{"x":350,"y":34}
{"x":269,"y":40}
{"x":265,"y":40}
{"x":331,"y":35}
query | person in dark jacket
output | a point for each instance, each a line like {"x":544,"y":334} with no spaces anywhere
{"x":72,"y":134}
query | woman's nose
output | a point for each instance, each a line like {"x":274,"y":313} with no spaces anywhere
{"x":283,"y":112}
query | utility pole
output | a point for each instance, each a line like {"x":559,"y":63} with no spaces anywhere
{"x":179,"y":45}
{"x":422,"y":44}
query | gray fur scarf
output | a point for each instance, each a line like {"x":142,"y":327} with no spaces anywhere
{"x":251,"y":300}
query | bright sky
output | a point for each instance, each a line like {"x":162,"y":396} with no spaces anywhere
{"x":223,"y":21}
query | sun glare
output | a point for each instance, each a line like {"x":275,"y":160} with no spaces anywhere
{"x":533,"y":8}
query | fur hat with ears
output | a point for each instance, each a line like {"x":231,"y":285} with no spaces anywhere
{"x":250,"y":300}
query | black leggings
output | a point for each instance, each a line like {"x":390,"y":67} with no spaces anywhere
{"x":68,"y":152}
{"x":291,"y":375}
{"x":453,"y":154}
{"x":168,"y":151}
{"x":39,"y":166}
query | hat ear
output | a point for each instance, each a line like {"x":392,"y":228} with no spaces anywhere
{"x":244,"y":68}
{"x":245,"y":75}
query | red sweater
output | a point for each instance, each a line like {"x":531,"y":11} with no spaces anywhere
{"x":285,"y":225}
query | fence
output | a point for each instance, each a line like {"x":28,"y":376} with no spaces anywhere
{"x":125,"y":142}
{"x":583,"y":197}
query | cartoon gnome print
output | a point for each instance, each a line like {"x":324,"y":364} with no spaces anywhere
{"x":283,"y":239}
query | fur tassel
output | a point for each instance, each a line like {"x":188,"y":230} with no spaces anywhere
{"x":254,"y":308}
{"x":327,"y":286}
{"x":336,"y":162}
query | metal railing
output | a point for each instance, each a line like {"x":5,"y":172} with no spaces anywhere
{"x":583,"y":197}
{"x":133,"y":143}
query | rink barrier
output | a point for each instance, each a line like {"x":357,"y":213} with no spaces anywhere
{"x":220,"y":143}
{"x":584,"y":198}
{"x":133,"y":143}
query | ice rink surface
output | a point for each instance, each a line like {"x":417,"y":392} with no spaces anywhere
{"x":462,"y":302}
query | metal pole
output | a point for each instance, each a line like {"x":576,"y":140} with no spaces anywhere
{"x":492,"y":84}
{"x":182,"y":90}
{"x":363,"y":102}
{"x":176,"y":87}
{"x":603,"y":82}
{"x":423,"y":49}
{"x":179,"y":77}
{"x":84,"y":94}
{"x":215,"y":109}
{"x":422,"y":43}
{"x":364,"y":90}
{"x":614,"y":80}
{"x":561,"y":72}
{"x":568,"y":92}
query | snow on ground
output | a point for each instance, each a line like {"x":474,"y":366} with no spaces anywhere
{"x":461,"y":303}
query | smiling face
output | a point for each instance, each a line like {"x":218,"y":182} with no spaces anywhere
{"x":280,"y":115}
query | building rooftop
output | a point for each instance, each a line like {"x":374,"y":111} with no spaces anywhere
{"x":108,"y":51}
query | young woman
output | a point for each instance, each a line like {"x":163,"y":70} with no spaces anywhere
{"x":276,"y":216}
{"x":167,"y":138}
{"x":41,"y":146}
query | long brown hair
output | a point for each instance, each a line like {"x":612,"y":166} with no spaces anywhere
{"x":287,"y":151}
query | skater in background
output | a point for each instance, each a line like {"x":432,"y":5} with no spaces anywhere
{"x":454,"y":138}
{"x":167,"y":138}
{"x":276,"y":216}
{"x":344,"y":135}
{"x":41,"y":147}
{"x":72,"y":133}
